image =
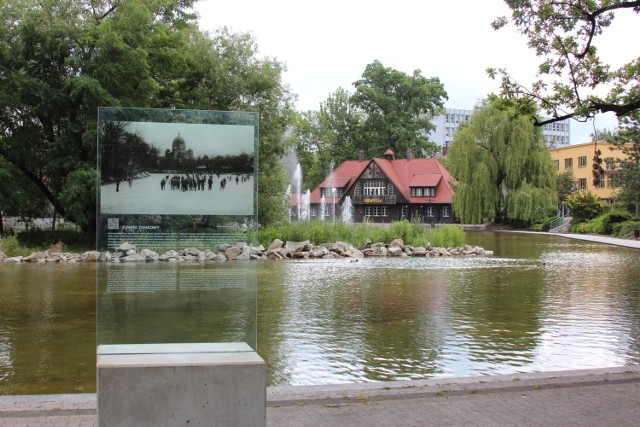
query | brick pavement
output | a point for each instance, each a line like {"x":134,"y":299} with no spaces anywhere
{"x":599,"y":397}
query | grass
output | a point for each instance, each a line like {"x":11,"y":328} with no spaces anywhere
{"x":414,"y":234}
{"x":26,"y":242}
{"x":317,"y":232}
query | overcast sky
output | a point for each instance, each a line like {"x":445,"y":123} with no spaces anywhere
{"x":326,"y":45}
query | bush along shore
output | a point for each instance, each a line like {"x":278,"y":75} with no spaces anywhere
{"x":277,"y":250}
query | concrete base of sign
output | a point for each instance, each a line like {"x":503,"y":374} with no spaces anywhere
{"x":212,"y":384}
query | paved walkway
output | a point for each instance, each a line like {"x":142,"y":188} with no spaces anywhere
{"x":596,"y":238}
{"x":598,"y":397}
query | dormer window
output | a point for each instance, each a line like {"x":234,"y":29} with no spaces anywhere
{"x":423,"y":191}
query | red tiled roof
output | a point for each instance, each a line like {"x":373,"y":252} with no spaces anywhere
{"x":425,"y":180}
{"x":338,"y":181}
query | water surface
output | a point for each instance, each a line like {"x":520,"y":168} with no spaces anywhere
{"x":540,"y":303}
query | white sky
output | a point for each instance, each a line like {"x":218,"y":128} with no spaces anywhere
{"x":326,"y":45}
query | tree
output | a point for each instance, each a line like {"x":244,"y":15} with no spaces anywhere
{"x":502,"y":167}
{"x":397,"y":110}
{"x":572,"y":74}
{"x":326,"y":135}
{"x":584,"y":206}
{"x":565,"y":184}
{"x":627,"y":139}
{"x":59,"y":61}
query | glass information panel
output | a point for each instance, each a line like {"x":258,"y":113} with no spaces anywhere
{"x":177,"y":218}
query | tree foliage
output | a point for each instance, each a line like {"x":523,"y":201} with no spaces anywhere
{"x":572,"y":76}
{"x":60,"y":60}
{"x":584,"y":206}
{"x":565,"y":184}
{"x":502,"y":167}
{"x":397,"y":109}
{"x":328,"y":134}
{"x":627,"y":139}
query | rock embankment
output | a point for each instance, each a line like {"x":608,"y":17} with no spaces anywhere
{"x":277,"y":250}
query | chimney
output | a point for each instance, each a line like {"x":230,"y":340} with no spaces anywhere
{"x":409,"y":154}
{"x":361,"y":156}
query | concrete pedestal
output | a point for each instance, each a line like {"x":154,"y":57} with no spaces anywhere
{"x":204,"y":384}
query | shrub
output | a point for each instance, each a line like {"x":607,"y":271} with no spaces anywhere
{"x":615,"y":217}
{"x":625,"y":229}
{"x":584,"y":206}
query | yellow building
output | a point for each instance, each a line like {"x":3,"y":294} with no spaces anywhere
{"x":580,"y":157}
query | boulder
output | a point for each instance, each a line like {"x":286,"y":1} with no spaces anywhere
{"x":35,"y":257}
{"x":419,"y":251}
{"x":275,"y":245}
{"x":149,"y":255}
{"x":192,"y":251}
{"x":132,"y":258}
{"x":395,"y":250}
{"x":90,"y":256}
{"x":13,"y":259}
{"x":294,"y":247}
{"x":125,"y":247}
{"x":399,"y":243}
{"x":245,"y":255}
{"x":223,"y":247}
{"x":233,"y":252}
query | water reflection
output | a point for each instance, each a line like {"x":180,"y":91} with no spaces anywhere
{"x":540,"y":303}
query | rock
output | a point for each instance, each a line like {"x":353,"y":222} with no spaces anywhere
{"x":192,"y":251}
{"x":399,"y":243}
{"x":395,"y":250}
{"x":245,"y":255}
{"x":419,"y":251}
{"x":2,"y":256}
{"x":14,"y":259}
{"x":354,"y":254}
{"x":125,"y":247}
{"x":331,"y":255}
{"x":35,"y":257}
{"x":276,"y":256}
{"x":223,"y":247}
{"x":149,"y":255}
{"x":56,"y":248}
{"x":294,"y":247}
{"x":134,"y":257}
{"x":233,"y":252}
{"x":318,"y":252}
{"x":284,"y":252}
{"x":367,"y":243}
{"x":275,"y":245}
{"x":90,"y":256}
{"x":302,"y":254}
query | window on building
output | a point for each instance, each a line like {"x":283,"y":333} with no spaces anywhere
{"x":556,"y":163}
{"x":383,"y":211}
{"x":313,"y":211}
{"x":445,"y":212}
{"x":416,"y":191}
{"x":582,"y":161}
{"x":405,"y":211}
{"x":367,"y":211}
{"x":430,"y":211}
{"x":357,"y":191}
{"x":376,"y":211}
{"x":601,"y":181}
{"x":568,"y":163}
{"x":582,"y":184}
{"x":374,"y":188}
{"x":391,"y":190}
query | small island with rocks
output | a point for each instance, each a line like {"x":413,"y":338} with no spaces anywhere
{"x":277,"y":250}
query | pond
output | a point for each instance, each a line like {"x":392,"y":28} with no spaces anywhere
{"x":540,"y":303}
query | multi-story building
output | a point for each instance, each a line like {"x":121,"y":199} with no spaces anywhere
{"x":557,"y":134}
{"x":388,"y":189}
{"x":579,"y":159}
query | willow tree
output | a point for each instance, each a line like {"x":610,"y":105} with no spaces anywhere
{"x":502,"y":167}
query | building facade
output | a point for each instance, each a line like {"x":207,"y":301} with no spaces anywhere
{"x":556,"y":134}
{"x":579,"y":159}
{"x":386,"y":189}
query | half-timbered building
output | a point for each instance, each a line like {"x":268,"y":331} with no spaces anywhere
{"x":387,"y":189}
